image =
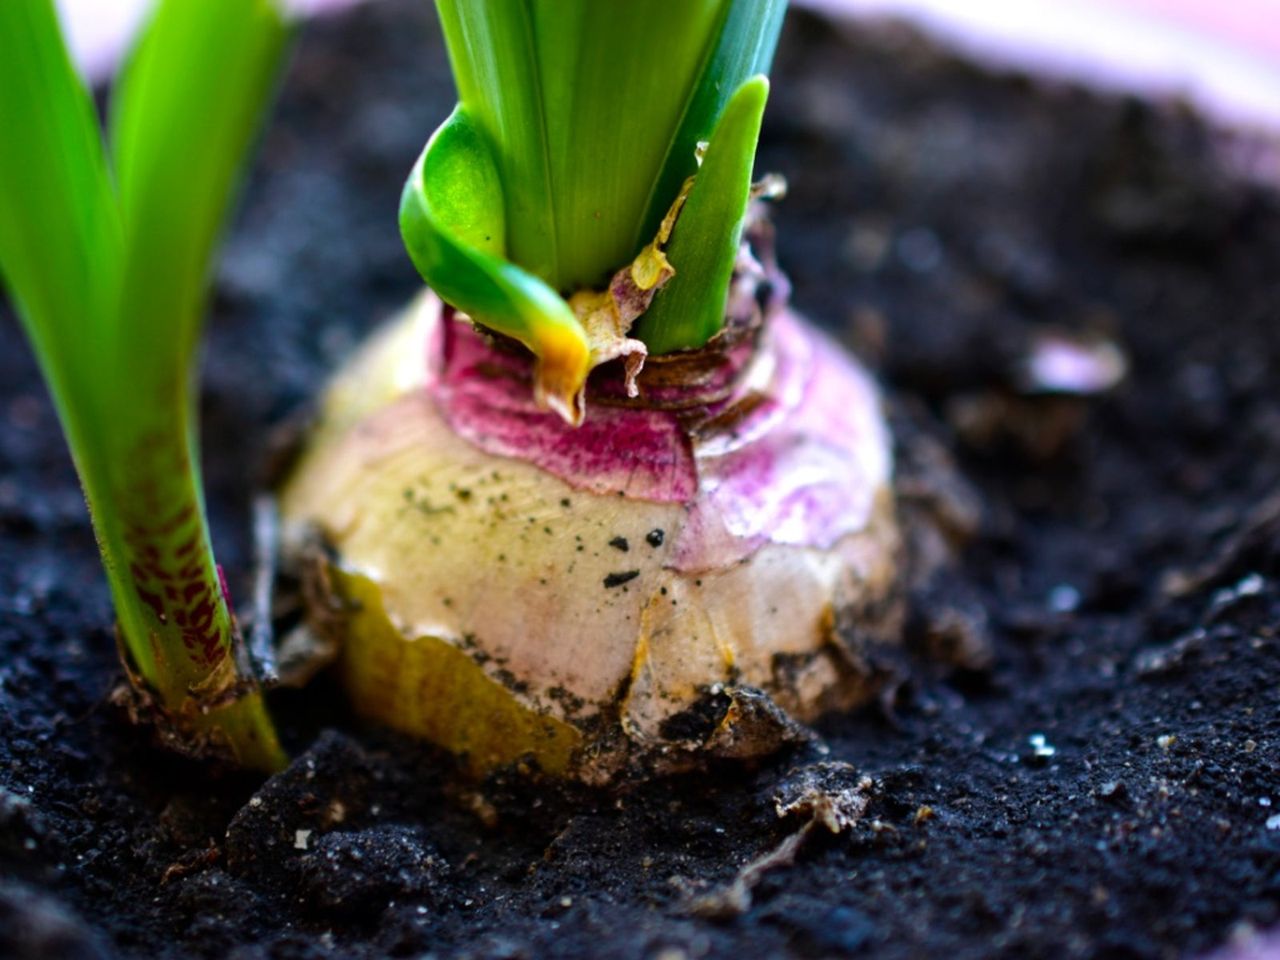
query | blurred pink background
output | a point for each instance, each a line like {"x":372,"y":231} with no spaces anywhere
{"x":98,"y":30}
{"x":1223,"y":56}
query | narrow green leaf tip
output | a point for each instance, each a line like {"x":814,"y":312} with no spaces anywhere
{"x":743,"y":48}
{"x":689,"y":310}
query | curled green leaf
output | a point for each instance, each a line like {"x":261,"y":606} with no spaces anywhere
{"x":452,"y":218}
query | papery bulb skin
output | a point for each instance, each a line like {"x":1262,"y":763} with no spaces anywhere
{"x":694,"y":571}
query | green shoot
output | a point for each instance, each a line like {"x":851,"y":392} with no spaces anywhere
{"x":110,"y":282}
{"x":577,"y":126}
{"x":689,"y":311}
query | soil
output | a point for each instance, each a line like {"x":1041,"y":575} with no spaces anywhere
{"x":1106,"y":787}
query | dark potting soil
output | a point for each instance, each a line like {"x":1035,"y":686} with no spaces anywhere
{"x":1106,"y":788}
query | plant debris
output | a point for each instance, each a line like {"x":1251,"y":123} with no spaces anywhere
{"x":828,"y":795}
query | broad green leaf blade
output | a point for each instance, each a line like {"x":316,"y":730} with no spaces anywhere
{"x":614,"y":79}
{"x":689,"y":310}
{"x":60,"y":241}
{"x":184,"y":113}
{"x":452,"y":218}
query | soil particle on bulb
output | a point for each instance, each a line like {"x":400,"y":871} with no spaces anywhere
{"x":618,"y":579}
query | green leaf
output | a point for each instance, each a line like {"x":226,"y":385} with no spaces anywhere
{"x":593,"y":110}
{"x":61,"y":243}
{"x":689,"y":310}
{"x":452,"y":218}
{"x":184,"y":113}
{"x":60,"y":237}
